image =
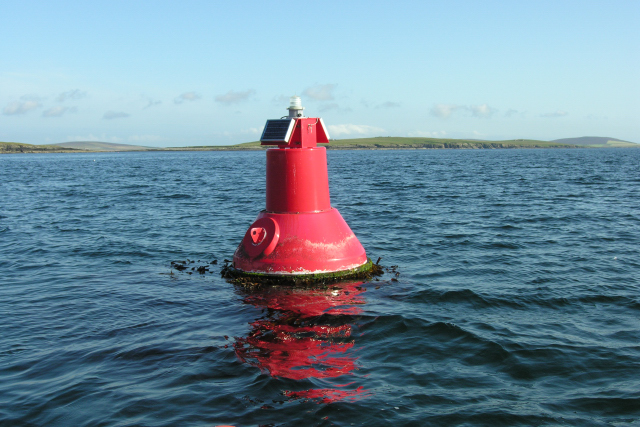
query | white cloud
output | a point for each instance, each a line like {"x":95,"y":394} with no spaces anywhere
{"x":558,"y":113}
{"x":320,"y":92}
{"x":444,"y":111}
{"x":58,"y":111}
{"x":110,"y":115}
{"x":232,"y":97}
{"x":21,"y":107}
{"x":187,"y":96}
{"x":351,"y":129}
{"x":71,"y":94}
{"x":151,"y":103}
{"x":482,"y":111}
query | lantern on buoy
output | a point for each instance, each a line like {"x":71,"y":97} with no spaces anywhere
{"x":299,"y":235}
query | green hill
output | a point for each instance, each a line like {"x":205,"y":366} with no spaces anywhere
{"x":390,"y":143}
{"x":101,"y":146}
{"x":597,"y":142}
{"x":18,"y":147}
{"x":67,"y":147}
{"x":378,"y":143}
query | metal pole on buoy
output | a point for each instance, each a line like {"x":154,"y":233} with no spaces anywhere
{"x":299,"y":236}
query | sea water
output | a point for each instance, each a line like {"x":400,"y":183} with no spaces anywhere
{"x":511,"y":294}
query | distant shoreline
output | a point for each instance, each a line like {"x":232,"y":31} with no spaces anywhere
{"x":263,"y":148}
{"x":378,"y":143}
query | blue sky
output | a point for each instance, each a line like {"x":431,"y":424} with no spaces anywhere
{"x":209,"y":73}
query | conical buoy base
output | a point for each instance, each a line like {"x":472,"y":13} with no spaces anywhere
{"x":303,"y":244}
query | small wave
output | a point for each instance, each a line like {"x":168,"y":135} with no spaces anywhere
{"x":464,"y":415}
{"x":135,"y":186}
{"x":464,"y":296}
{"x":144,"y":353}
{"x":508,"y":227}
{"x":548,"y":298}
{"x":501,"y":245}
{"x":176,"y":196}
{"x":603,"y":405}
{"x":456,"y":236}
{"x":134,"y":194}
{"x":577,"y":301}
{"x":126,"y":330}
{"x":329,"y":395}
{"x":107,"y":253}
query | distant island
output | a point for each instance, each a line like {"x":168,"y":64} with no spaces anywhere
{"x":378,"y":143}
{"x":597,"y":142}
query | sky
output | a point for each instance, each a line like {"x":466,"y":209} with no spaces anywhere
{"x":171,"y":74}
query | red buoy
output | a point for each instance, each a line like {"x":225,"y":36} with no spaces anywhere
{"x":299,"y":233}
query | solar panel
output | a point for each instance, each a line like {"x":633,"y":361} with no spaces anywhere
{"x":277,"y":130}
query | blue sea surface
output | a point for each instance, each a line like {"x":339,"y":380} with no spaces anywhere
{"x":515,"y":300}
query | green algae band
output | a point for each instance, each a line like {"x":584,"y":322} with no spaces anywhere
{"x":364,"y":272}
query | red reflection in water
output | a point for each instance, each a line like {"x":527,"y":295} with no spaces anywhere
{"x":329,"y":395}
{"x":311,"y":301}
{"x":303,"y":336}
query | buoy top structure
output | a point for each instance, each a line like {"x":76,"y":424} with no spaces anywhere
{"x":299,"y":236}
{"x":295,"y":107}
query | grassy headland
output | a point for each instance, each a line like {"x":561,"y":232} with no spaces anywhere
{"x":378,"y":143}
{"x":18,"y":147}
{"x":395,"y":143}
{"x":598,"y":142}
{"x":101,"y":146}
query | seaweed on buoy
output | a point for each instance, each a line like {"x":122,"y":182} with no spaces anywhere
{"x":257,"y":280}
{"x":366,"y":272}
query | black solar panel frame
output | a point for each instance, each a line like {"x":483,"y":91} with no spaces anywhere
{"x":278,"y":130}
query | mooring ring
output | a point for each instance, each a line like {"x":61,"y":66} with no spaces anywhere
{"x":261,"y":238}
